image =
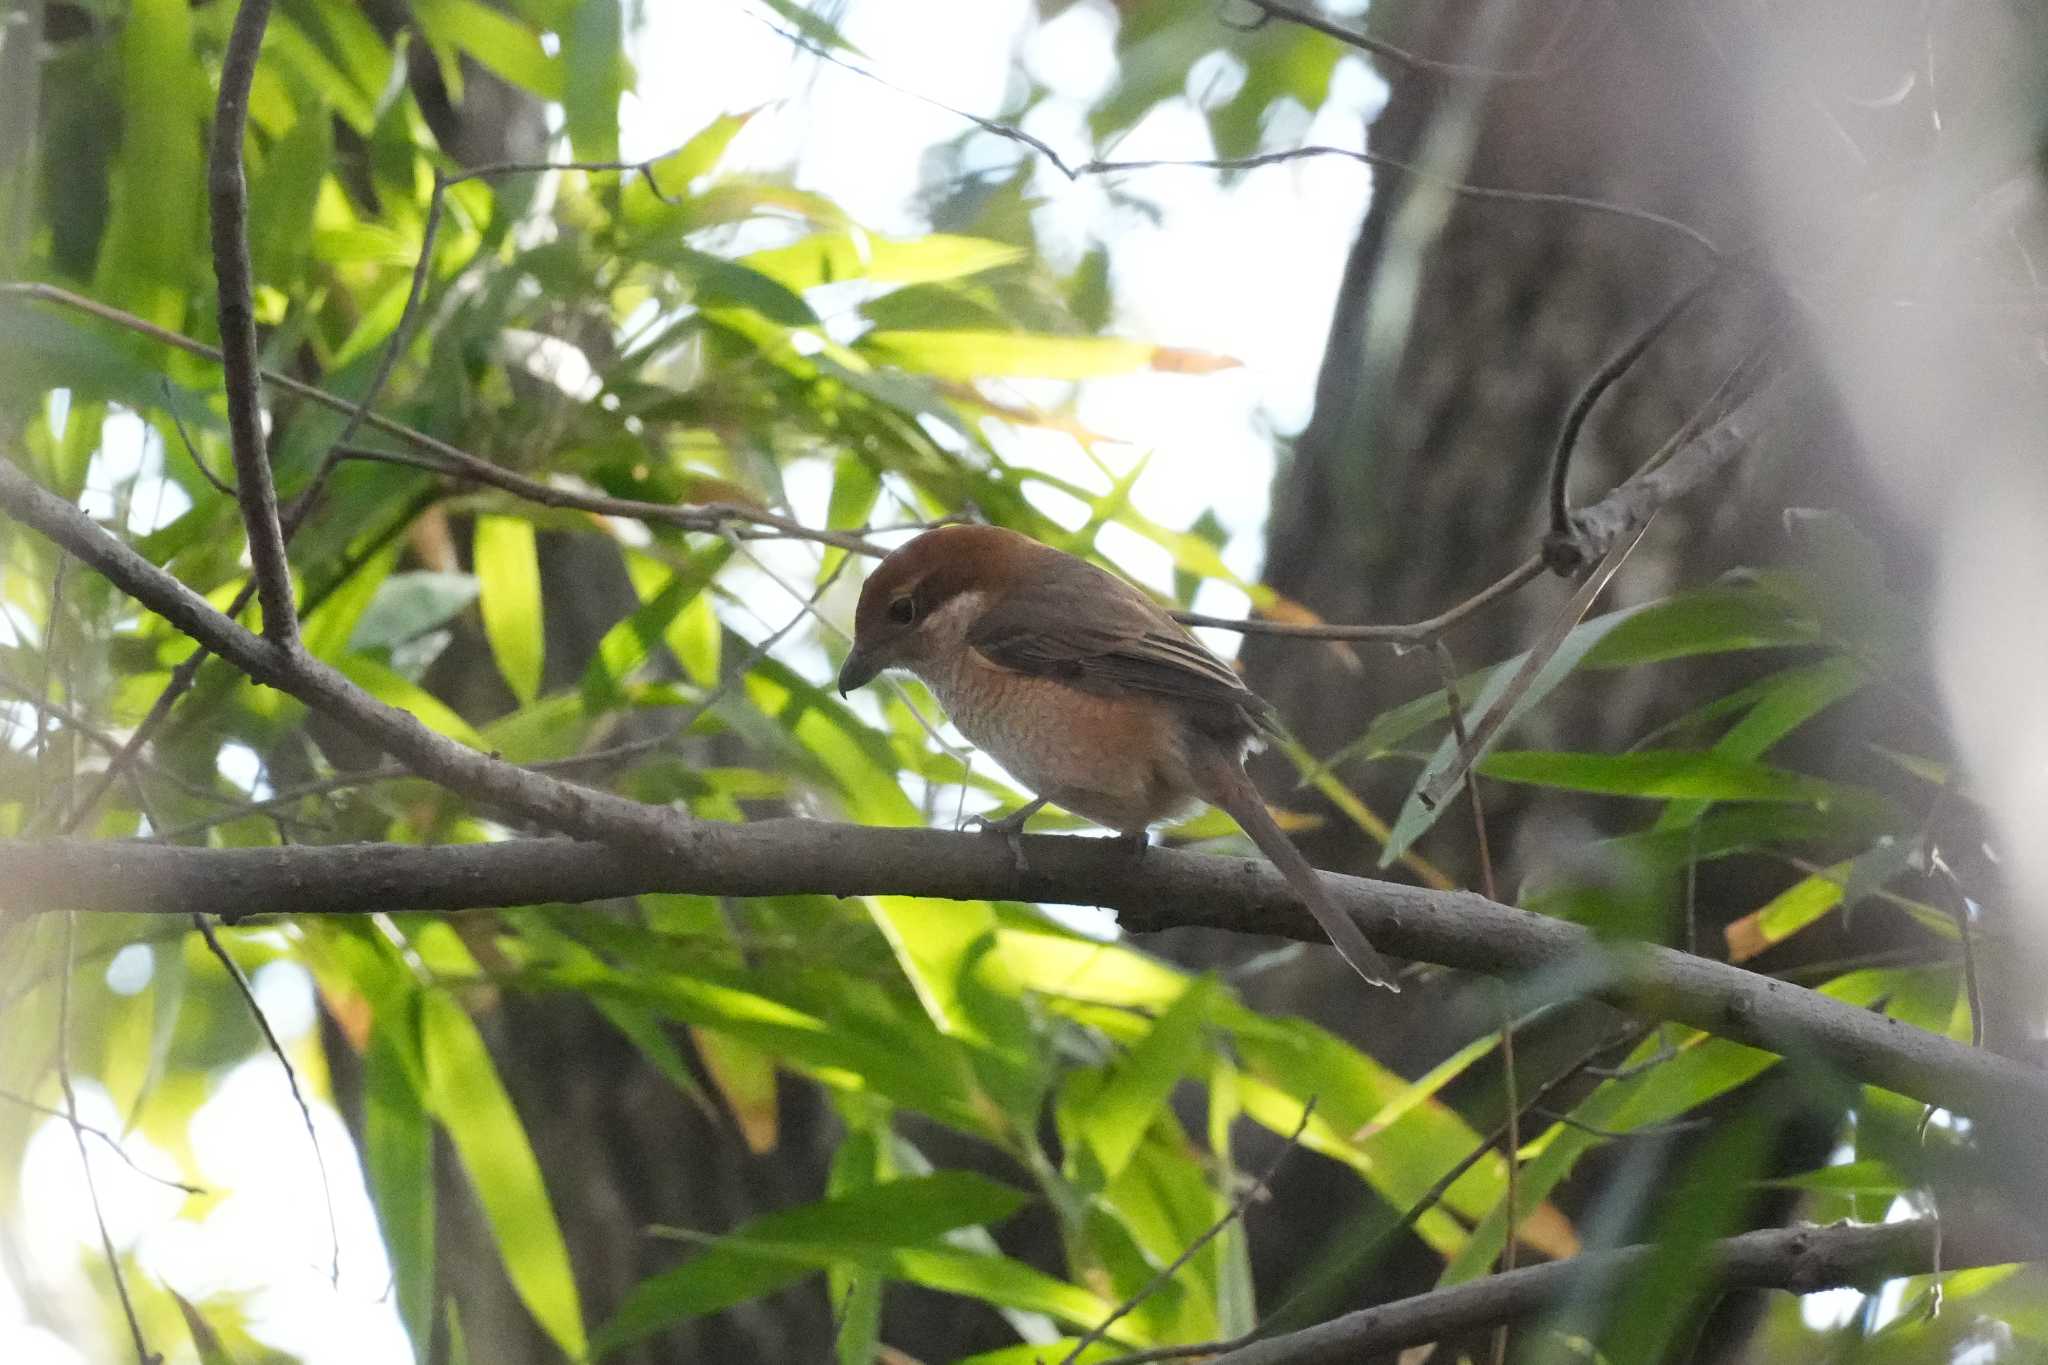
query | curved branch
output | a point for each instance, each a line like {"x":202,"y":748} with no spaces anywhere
{"x":1799,"y":1259}
{"x":1164,"y":889}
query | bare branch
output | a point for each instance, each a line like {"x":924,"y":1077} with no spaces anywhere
{"x":291,"y":1076}
{"x":1801,"y":1259}
{"x":1414,"y":633}
{"x":113,"y":1143}
{"x":228,"y":196}
{"x":92,"y":1190}
{"x":1617,"y":365}
{"x":1075,"y":171}
{"x":1623,"y":513}
{"x":1167,"y":888}
{"x":706,"y":517}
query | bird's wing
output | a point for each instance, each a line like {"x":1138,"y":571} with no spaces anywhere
{"x":1095,"y":632}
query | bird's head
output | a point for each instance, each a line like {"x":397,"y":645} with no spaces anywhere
{"x":911,"y":605}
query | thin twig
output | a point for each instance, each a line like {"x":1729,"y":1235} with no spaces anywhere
{"x":228,"y":198}
{"x":1677,"y":469}
{"x":291,"y":1076}
{"x":50,"y":1111}
{"x":1595,"y":1130}
{"x":704,"y":517}
{"x":1209,"y":1234}
{"x":52,"y":625}
{"x":1076,"y":171}
{"x":1448,"y":668}
{"x":220,"y":485}
{"x":1549,"y":61}
{"x":1413,"y":633}
{"x":1617,"y":365}
{"x":99,"y":739}
{"x":92,"y":1189}
{"x":1469,"y":749}
{"x":1959,"y":910}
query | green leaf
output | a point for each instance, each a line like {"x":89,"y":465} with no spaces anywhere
{"x":398,"y":1160}
{"x":813,"y":26}
{"x":776,"y":1249}
{"x":626,"y":645}
{"x":500,"y":43}
{"x":1110,"y":1111}
{"x":393,"y":690}
{"x":1806,"y":901}
{"x":1000,"y":1281}
{"x":1037,"y":1353}
{"x":473,"y":1108}
{"x":1718,"y":619}
{"x":596,"y":76}
{"x":205,"y":1340}
{"x":154,"y":222}
{"x":922,"y":1077}
{"x":723,"y":284}
{"x":832,"y":257}
{"x":1701,"y":1069}
{"x":974,"y":355}
{"x":1868,"y":1176}
{"x":508,"y":583}
{"x":408,"y":605}
{"x":1669,"y":773}
{"x":677,"y":171}
{"x":1783,"y":704}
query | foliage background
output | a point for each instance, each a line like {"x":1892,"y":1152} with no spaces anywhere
{"x":683,"y":1128}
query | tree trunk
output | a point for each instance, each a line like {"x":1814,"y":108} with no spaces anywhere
{"x":1422,"y":474}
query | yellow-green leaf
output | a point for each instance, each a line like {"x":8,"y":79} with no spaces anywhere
{"x":829,"y":257}
{"x":471,"y":1104}
{"x":394,"y":690}
{"x":970,"y":355}
{"x":508,"y":595}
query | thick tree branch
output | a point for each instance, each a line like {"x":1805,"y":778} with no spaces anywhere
{"x":1798,"y":1259}
{"x":228,"y":195}
{"x":1164,"y":889}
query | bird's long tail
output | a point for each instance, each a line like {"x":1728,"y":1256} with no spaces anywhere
{"x":1231,"y":788}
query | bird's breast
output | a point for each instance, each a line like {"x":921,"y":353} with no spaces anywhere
{"x":1121,"y":761}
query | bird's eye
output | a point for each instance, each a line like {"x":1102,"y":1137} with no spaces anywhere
{"x":903,"y":611}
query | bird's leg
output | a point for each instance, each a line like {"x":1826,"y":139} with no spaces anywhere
{"x":1135,"y":841}
{"x":1011,"y":827}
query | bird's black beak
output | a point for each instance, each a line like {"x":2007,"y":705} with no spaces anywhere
{"x":858,"y":670}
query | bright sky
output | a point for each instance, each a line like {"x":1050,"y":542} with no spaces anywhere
{"x":1246,"y":271}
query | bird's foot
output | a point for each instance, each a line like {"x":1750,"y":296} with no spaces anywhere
{"x":1135,"y":842}
{"x":1011,"y":827}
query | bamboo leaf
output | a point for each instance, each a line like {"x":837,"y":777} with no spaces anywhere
{"x":509,"y":597}
{"x":471,"y":1104}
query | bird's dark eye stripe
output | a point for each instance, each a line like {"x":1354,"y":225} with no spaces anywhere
{"x":903,"y":610}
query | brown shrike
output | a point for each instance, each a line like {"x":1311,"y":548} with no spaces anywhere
{"x":1081,"y":687}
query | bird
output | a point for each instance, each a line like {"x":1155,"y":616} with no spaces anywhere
{"x":1084,"y":689}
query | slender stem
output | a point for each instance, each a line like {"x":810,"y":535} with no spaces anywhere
{"x":228,"y":195}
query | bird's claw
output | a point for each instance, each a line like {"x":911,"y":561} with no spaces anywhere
{"x":1011,"y":827}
